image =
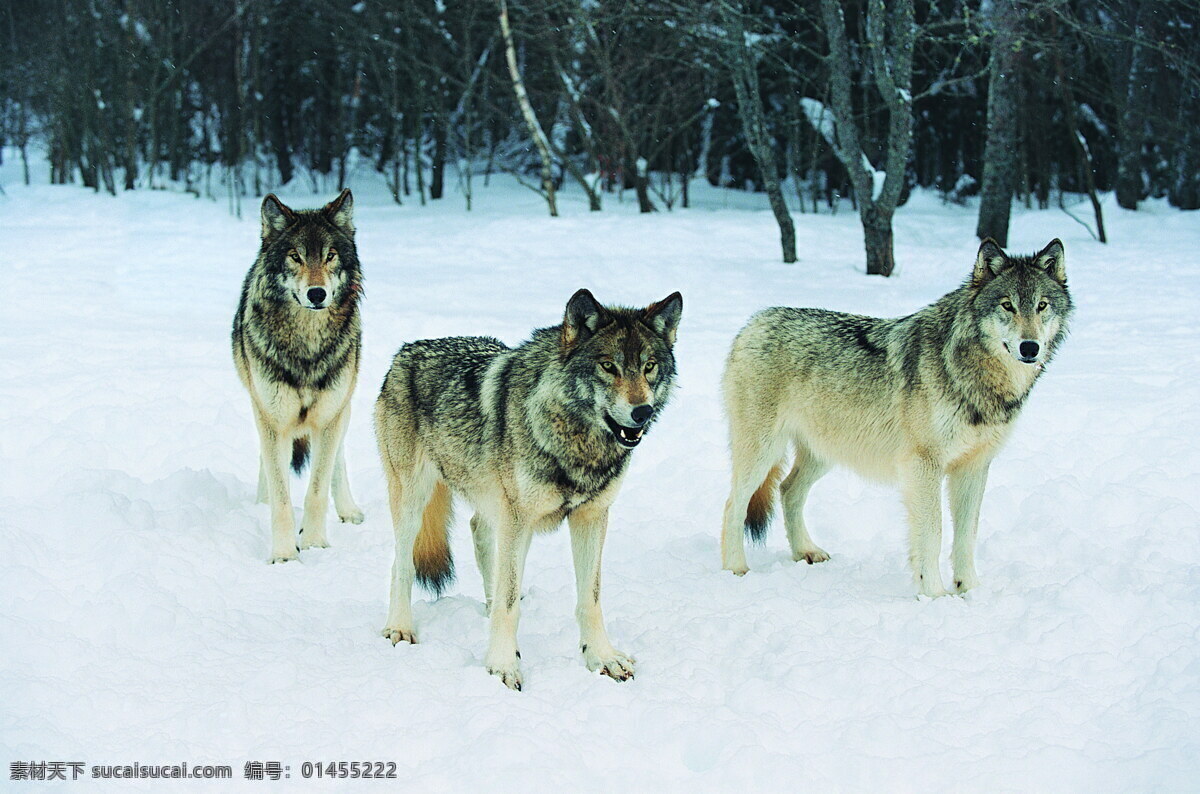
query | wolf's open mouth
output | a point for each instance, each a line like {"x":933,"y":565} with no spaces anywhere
{"x":626,"y":436}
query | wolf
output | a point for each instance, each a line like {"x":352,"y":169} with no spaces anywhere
{"x":528,"y":436}
{"x":912,"y":400}
{"x":297,"y":336}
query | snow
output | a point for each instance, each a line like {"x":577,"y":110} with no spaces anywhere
{"x":819,"y":118}
{"x":143,"y":623}
{"x":822,"y":121}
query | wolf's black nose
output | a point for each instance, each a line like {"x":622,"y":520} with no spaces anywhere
{"x":1029,"y":349}
{"x":642,"y":413}
{"x":317,"y":295}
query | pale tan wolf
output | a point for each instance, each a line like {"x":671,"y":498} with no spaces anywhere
{"x":528,"y":436}
{"x":296,"y":341}
{"x":911,"y":400}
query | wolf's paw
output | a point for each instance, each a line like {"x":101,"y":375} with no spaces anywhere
{"x":964,"y":583}
{"x":313,"y":540}
{"x":399,"y":634}
{"x":811,"y":556}
{"x":285,"y":556}
{"x":614,"y":664}
{"x":510,"y":676}
{"x":508,"y":671}
{"x":354,"y":516}
{"x":737,"y":570}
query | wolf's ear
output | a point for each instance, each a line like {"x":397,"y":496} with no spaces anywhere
{"x":663,"y":316}
{"x":340,"y":211}
{"x":1053,"y":259}
{"x":276,"y":216}
{"x":583,"y":318}
{"x":989,"y":262}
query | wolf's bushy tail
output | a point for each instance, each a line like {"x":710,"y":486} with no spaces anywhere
{"x":431,"y":550}
{"x":762,"y":504}
{"x":299,"y":454}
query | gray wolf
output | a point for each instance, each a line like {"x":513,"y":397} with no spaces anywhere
{"x":528,"y":436}
{"x":296,"y":341}
{"x":911,"y":400}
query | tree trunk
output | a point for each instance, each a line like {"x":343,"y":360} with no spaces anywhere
{"x":584,"y":130}
{"x":999,"y":154}
{"x":641,"y":184}
{"x":1131,"y":128}
{"x":744,"y":71}
{"x":1185,"y":187}
{"x":1081,"y":149}
{"x":531,"y":121}
{"x":437,"y":178}
{"x":890,"y":36}
{"x":877,"y":239}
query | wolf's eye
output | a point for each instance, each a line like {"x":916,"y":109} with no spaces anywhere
{"x":1007,"y":306}
{"x":608,"y":367}
{"x":332,"y":253}
{"x":650,"y":367}
{"x":295,"y":257}
{"x":1042,"y":306}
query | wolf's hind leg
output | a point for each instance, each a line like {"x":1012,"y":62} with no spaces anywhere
{"x":408,"y":494}
{"x":347,"y":509}
{"x":966,"y":485}
{"x":752,"y":463}
{"x":485,"y":545}
{"x":921,"y":485}
{"x":276,"y":451}
{"x":588,"y":528}
{"x":512,"y":546}
{"x":806,"y":470}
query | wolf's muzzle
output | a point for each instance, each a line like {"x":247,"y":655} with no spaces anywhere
{"x":316,"y":297}
{"x":1026,"y":352}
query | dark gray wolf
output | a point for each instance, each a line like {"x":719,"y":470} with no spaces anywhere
{"x":911,"y":400}
{"x":296,"y":341}
{"x":528,"y":436}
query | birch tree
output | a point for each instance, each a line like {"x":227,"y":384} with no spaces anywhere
{"x":531,"y":120}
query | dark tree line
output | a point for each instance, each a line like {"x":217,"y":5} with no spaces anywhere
{"x":823,"y":99}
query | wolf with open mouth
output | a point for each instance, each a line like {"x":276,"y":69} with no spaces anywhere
{"x":528,"y":436}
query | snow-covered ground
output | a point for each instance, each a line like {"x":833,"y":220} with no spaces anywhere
{"x":141,"y":621}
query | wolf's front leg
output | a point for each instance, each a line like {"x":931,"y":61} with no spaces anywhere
{"x":276,"y":450}
{"x":512,"y":546}
{"x":921,"y":484}
{"x":347,"y":509}
{"x":588,"y":528}
{"x":316,"y":503}
{"x":966,"y":485}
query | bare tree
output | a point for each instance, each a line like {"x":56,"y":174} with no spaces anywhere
{"x":1000,"y":151}
{"x":1132,"y":130}
{"x":531,"y":120}
{"x":742,"y":62}
{"x":889,"y":38}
